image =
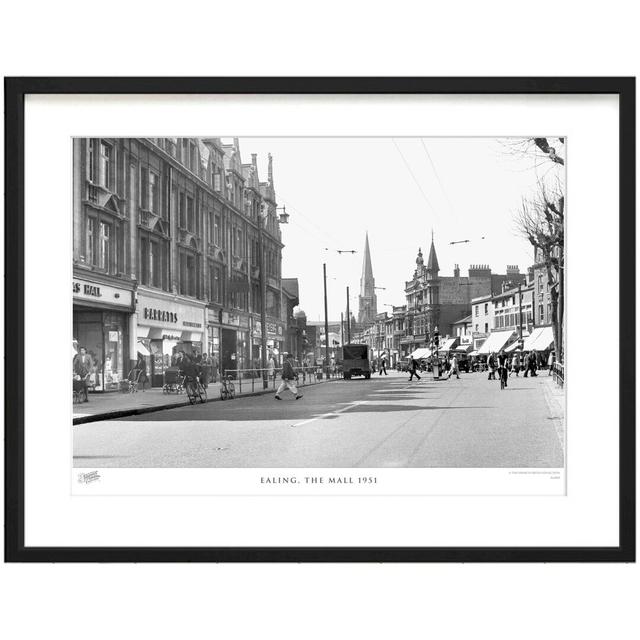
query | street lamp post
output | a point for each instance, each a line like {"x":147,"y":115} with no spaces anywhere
{"x":263,"y":309}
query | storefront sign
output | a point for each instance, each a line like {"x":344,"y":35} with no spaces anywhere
{"x":166,"y":314}
{"x":160,"y":315}
{"x":273,"y":330}
{"x":97,"y":292}
{"x":230,"y":318}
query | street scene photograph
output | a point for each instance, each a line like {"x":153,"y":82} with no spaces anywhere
{"x":352,"y":303}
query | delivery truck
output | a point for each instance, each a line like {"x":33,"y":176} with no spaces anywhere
{"x":355,"y":361}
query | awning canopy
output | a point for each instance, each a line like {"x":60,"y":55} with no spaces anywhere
{"x":447,"y":345}
{"x":421,"y":353}
{"x":142,"y":349}
{"x":463,"y":348}
{"x":473,"y":354}
{"x":540,"y":339}
{"x":512,"y":347}
{"x":496,"y":341}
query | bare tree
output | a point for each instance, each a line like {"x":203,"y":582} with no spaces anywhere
{"x":540,"y":220}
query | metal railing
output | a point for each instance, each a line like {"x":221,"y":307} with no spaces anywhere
{"x":558,"y":373}
{"x":254,"y":378}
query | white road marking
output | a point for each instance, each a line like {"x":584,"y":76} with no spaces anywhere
{"x":330,"y":413}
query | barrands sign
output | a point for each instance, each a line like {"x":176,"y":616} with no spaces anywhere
{"x":160,"y":315}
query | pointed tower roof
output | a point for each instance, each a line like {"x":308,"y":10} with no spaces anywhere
{"x":432,"y":262}
{"x":367,"y":270}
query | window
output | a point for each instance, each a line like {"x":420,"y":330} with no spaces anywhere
{"x":193,"y":158}
{"x":106,"y":164}
{"x":188,"y":275}
{"x":476,"y":328}
{"x":215,"y":284}
{"x":185,"y":151}
{"x":182,"y":221}
{"x":549,"y":312}
{"x":190,"y":216}
{"x":217,"y":181}
{"x":92,"y":162}
{"x":216,"y":231}
{"x":486,"y":327}
{"x":153,"y":192}
{"x":486,"y":308}
{"x":477,"y":309}
{"x":105,"y":246}
{"x":154,"y":260}
{"x":90,"y":241}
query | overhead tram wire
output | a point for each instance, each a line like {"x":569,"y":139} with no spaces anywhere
{"x":437,"y":175}
{"x":406,"y":164}
{"x":297,"y":211}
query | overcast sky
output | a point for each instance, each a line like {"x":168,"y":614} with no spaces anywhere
{"x":399,"y":190}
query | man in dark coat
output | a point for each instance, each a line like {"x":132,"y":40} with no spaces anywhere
{"x":413,"y":369}
{"x":288,"y":378}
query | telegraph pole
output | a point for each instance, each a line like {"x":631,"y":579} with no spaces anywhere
{"x":348,"y":320}
{"x":342,"y":327}
{"x":326,"y":321}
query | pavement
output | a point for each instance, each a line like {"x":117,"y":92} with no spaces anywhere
{"x":383,"y":422}
{"x":102,"y":406}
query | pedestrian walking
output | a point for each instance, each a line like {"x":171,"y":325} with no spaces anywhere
{"x":271,"y":367}
{"x":383,"y":366}
{"x":491,"y":364}
{"x":141,"y":366}
{"x":453,"y":367}
{"x":533,"y":363}
{"x":503,"y":367}
{"x":515,"y":364}
{"x":551,"y":359}
{"x":413,"y":369}
{"x":288,"y":379}
{"x":206,"y":369}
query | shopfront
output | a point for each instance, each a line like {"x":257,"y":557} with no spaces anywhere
{"x":276,"y":332}
{"x":228,"y":341}
{"x":102,"y":316}
{"x":167,"y":325}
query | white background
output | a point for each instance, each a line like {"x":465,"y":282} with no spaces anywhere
{"x":320,"y":601}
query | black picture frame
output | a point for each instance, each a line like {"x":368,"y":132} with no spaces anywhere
{"x":15,"y":91}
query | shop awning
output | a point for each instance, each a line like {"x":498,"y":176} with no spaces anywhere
{"x":463,"y":348}
{"x":421,"y":353}
{"x":495,"y":342}
{"x":143,"y":332}
{"x":472,"y":354}
{"x":447,"y":345}
{"x":512,"y":347}
{"x":142,"y":349}
{"x":191,"y":336}
{"x":540,"y":339}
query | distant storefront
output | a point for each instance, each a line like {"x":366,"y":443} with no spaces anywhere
{"x":167,"y":324}
{"x":102,"y":317}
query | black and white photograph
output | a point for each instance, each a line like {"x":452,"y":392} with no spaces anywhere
{"x":353,"y":303}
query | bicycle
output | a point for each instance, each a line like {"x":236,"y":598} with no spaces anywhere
{"x":195,"y":390}
{"x":227,"y":388}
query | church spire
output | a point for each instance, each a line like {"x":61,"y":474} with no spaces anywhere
{"x":368,"y":306}
{"x":432,"y":262}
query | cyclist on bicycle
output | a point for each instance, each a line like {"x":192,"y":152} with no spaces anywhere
{"x":503,"y":367}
